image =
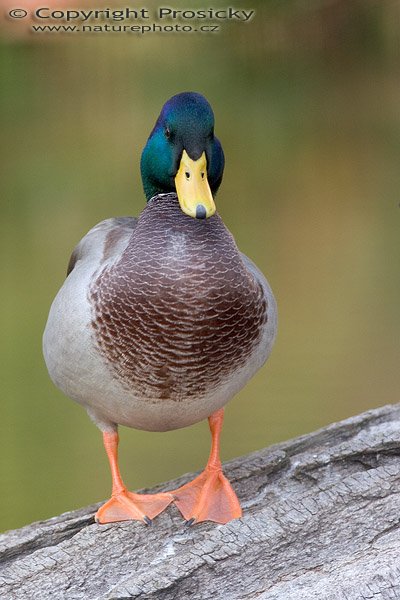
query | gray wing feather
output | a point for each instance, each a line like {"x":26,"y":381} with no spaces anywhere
{"x":269,"y":296}
{"x":103,"y":241}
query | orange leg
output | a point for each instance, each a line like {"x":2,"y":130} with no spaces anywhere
{"x":124,"y":505}
{"x":209,"y":497}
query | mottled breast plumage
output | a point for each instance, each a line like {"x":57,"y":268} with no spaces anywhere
{"x":179,"y":312}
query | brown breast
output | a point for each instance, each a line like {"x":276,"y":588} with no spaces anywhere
{"x":179,"y":312}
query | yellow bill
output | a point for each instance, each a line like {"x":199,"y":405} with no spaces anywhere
{"x":194,"y":194}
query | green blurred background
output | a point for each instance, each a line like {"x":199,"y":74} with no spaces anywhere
{"x":306,"y":99}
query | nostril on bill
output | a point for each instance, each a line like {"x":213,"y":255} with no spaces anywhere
{"x":201,"y":212}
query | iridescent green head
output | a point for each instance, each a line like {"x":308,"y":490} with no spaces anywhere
{"x":183,"y":155}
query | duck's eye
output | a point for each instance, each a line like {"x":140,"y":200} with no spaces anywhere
{"x":167,"y":132}
{"x":187,"y":174}
{"x":202,"y":175}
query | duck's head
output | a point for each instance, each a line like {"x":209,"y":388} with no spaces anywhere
{"x":183,"y":155}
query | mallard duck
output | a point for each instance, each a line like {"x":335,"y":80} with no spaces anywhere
{"x":161,"y":319}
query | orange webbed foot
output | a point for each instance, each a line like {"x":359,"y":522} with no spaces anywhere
{"x":127,"y":506}
{"x":124,"y":505}
{"x":209,"y":497}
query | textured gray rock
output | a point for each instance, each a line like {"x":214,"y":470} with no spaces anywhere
{"x":321,"y":521}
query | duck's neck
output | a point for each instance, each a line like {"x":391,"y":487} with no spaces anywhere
{"x":165,"y":239}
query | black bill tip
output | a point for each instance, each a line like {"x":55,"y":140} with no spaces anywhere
{"x":201,"y":212}
{"x":190,"y":522}
{"x":147,"y":520}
